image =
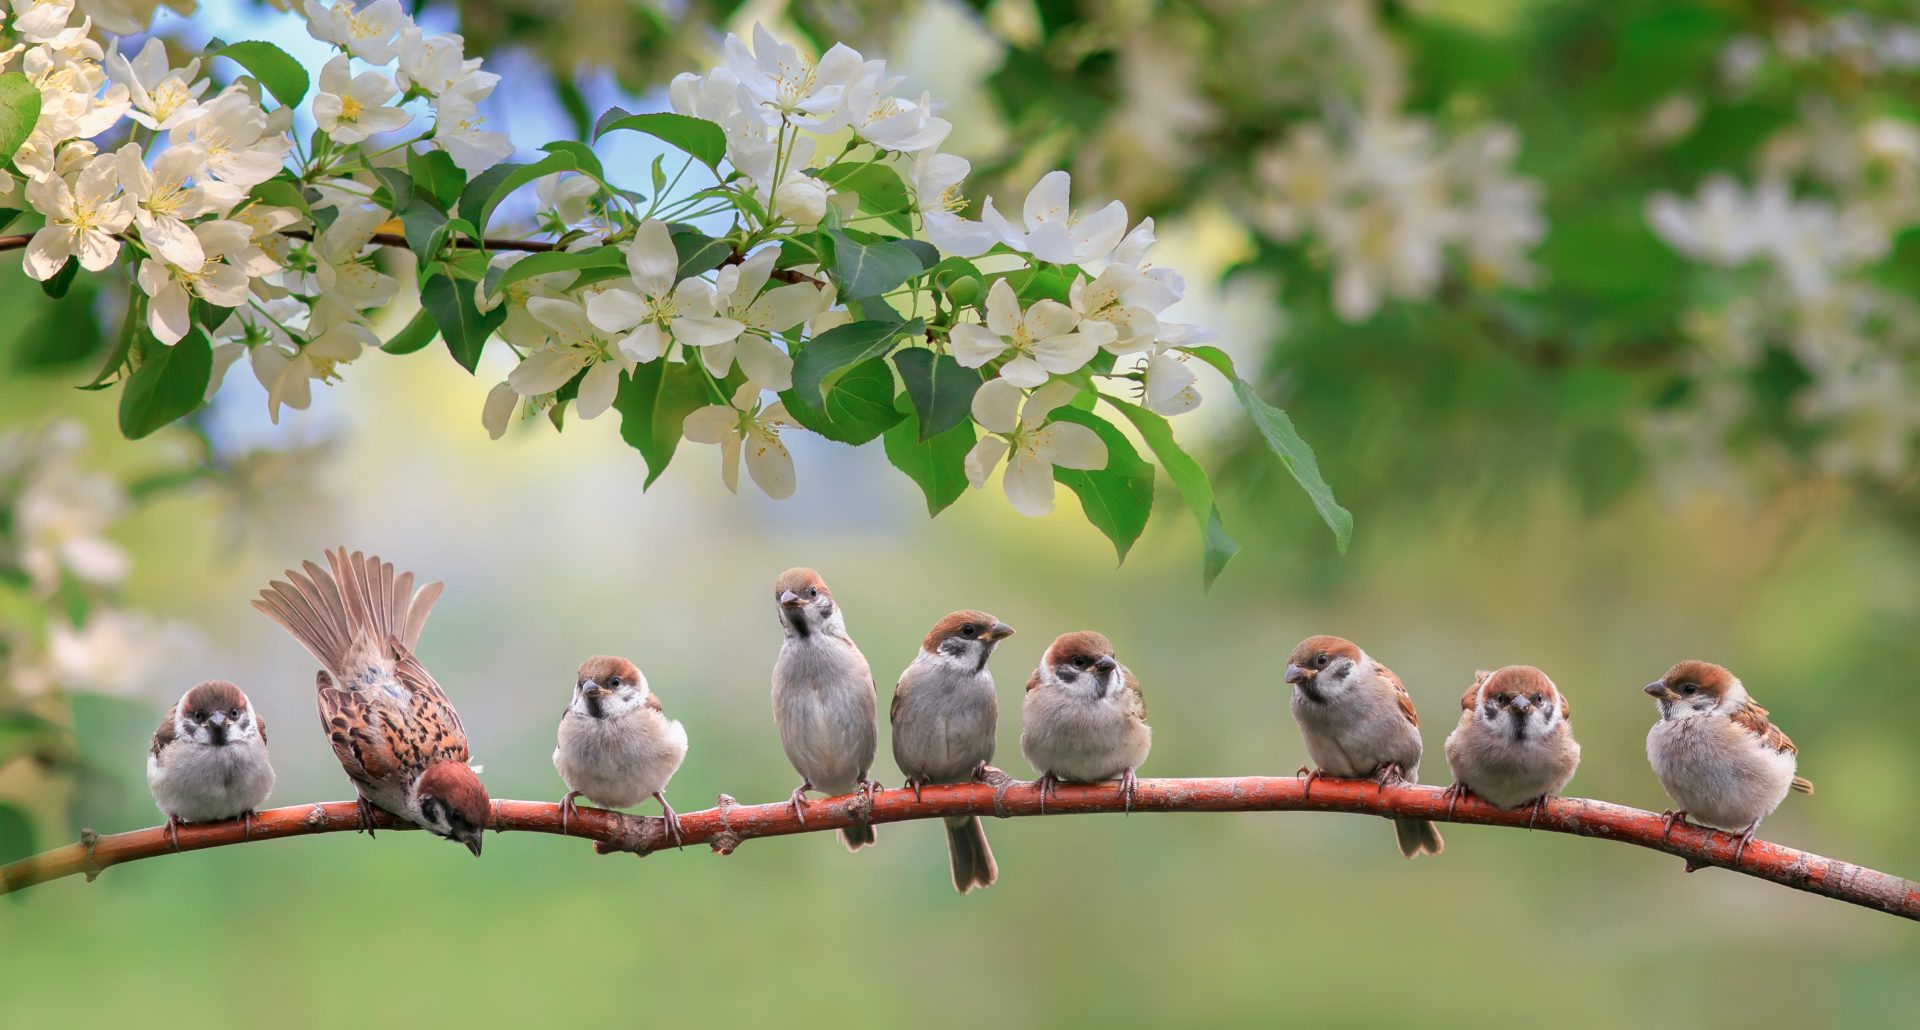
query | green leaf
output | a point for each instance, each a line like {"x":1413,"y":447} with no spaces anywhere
{"x":880,"y":189}
{"x":275,"y":68}
{"x":170,"y":382}
{"x":841,"y":347}
{"x":397,"y":186}
{"x":654,"y":403}
{"x":703,"y":139}
{"x":19,"y":110}
{"x":436,"y":177}
{"x":588,"y":160}
{"x":554,"y":261}
{"x":1119,"y":498}
{"x":859,"y":405}
{"x":414,"y":336}
{"x":7,"y":215}
{"x":864,"y":269}
{"x":279,"y":192}
{"x":937,"y":464}
{"x":1190,"y":479}
{"x":58,"y":283}
{"x":16,"y":833}
{"x":940,"y":389}
{"x":461,"y":323}
{"x":1042,"y":283}
{"x":1285,"y":441}
{"x":486,"y":192}
{"x":422,"y":222}
{"x":699,"y":253}
{"x":131,"y":327}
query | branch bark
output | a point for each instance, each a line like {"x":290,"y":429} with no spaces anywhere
{"x":727,"y":826}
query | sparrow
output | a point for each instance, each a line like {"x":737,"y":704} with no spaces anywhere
{"x":1358,"y":722}
{"x":1514,"y":745}
{"x":1084,"y":719}
{"x":1715,"y":752}
{"x":944,"y":718}
{"x":208,"y":760}
{"x":823,"y":699}
{"x":390,"y":724}
{"x":617,"y":746}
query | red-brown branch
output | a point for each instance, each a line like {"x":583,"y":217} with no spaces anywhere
{"x":724,"y":828}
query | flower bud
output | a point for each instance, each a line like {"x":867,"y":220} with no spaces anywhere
{"x":964,"y":290}
{"x":803,"y":201}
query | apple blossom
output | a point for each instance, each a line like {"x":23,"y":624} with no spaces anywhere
{"x":1032,"y":446}
{"x":1053,"y":231}
{"x":1045,"y":340}
{"x":660,"y":312}
{"x":745,"y":427}
{"x":83,"y":218}
{"x":349,"y":108}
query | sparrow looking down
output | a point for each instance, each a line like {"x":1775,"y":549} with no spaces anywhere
{"x":1716,"y":753}
{"x":1514,"y":745}
{"x":617,"y":746}
{"x":208,"y":760}
{"x":823,"y":698}
{"x":390,"y":724}
{"x":1084,"y":719}
{"x":944,"y":716}
{"x":1358,"y":721}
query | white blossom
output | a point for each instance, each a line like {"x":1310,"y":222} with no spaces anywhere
{"x":162,"y":96}
{"x":1043,"y":340}
{"x":937,"y":179}
{"x":657,"y":312}
{"x":573,"y":344}
{"x":1053,"y":231}
{"x":745,"y":427}
{"x":775,"y":77}
{"x":83,"y":218}
{"x":350,"y":108}
{"x":459,"y":129}
{"x":370,"y":33}
{"x":172,"y":287}
{"x":1032,"y":446}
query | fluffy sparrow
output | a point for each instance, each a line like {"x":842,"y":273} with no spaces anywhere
{"x":1514,"y":745}
{"x":209,"y":761}
{"x":391,"y":726}
{"x":1358,"y":722}
{"x":944,"y":715}
{"x":1715,"y":752}
{"x":1084,"y":719}
{"x":823,"y":698}
{"x":617,"y":747}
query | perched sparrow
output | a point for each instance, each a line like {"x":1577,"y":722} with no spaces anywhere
{"x":1715,"y":752}
{"x":1514,"y":745}
{"x":209,"y":761}
{"x":823,"y":698}
{"x":617,"y":746}
{"x":390,"y":724}
{"x":1358,"y":722}
{"x":1084,"y":719}
{"x":944,"y":715}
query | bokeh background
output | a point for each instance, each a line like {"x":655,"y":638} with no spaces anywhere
{"x":1659,"y":435}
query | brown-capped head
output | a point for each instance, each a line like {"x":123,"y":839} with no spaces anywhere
{"x":966,"y":637}
{"x":804,"y":603}
{"x":214,"y":713}
{"x":453,"y":803}
{"x":1320,"y":666}
{"x":1693,"y":685}
{"x":1520,"y":701}
{"x":607,"y":685}
{"x":1084,"y":658}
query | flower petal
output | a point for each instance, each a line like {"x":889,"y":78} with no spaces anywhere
{"x":498,"y":410}
{"x":770,"y":465}
{"x":652,"y":259}
{"x":616,"y":310}
{"x":597,"y":389}
{"x":545,"y":371}
{"x":975,"y":345}
{"x":1029,"y":484}
{"x":1023,"y":371}
{"x":1071,"y":445}
{"x":1003,"y":309}
{"x":996,"y":406}
{"x":984,"y":458}
{"x":710,"y":424}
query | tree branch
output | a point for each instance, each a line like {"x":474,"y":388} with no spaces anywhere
{"x":726,"y":827}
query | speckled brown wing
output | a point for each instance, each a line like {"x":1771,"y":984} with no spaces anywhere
{"x":1033,"y":681}
{"x":439,"y":736}
{"x":164,"y":735}
{"x":1472,"y":696}
{"x":1400,"y":696}
{"x":358,"y":732}
{"x":1753,"y":718}
{"x":1136,"y":700}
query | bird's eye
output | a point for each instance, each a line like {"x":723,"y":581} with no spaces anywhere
{"x":1500,"y":698}
{"x":199,"y":716}
{"x":1080,"y":661}
{"x":1539,"y":698}
{"x":233,"y":713}
{"x":614,"y":682}
{"x":969,"y":630}
{"x":1689,"y":688}
{"x":813,"y":591}
{"x":1322,"y":660}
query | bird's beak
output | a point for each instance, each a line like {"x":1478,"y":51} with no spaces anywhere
{"x":218,"y":719}
{"x":473,"y":844}
{"x":592,"y":690}
{"x":1000,"y":631}
{"x":1296,"y":675}
{"x":789,"y":599}
{"x":1523,"y":705}
{"x":1658,"y":690}
{"x":1105,"y":663}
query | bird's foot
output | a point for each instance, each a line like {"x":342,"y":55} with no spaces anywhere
{"x":365,"y":809}
{"x":1311,"y":775}
{"x":173,"y":830}
{"x":863,"y":804}
{"x":1668,"y":818}
{"x":1454,"y":792}
{"x":1049,"y":785}
{"x":669,"y":819}
{"x":568,"y":809}
{"x":246,"y":825}
{"x":1534,"y":816}
{"x":1745,"y":838}
{"x":914,"y":783}
{"x":798,"y":802}
{"x":1389,"y":773}
{"x":1128,"y":786}
{"x":984,"y":773}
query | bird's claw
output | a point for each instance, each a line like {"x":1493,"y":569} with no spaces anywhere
{"x":1388,"y":773}
{"x":797,"y":801}
{"x":246,"y":825}
{"x":1668,"y":818}
{"x":1745,"y":838}
{"x":914,"y":783}
{"x":365,"y":808}
{"x":1049,"y":786}
{"x":173,"y":830}
{"x":568,"y":809}
{"x":1311,"y":775}
{"x":1128,"y":783}
{"x":1534,"y":816}
{"x":1453,"y":793}
{"x":670,"y":820}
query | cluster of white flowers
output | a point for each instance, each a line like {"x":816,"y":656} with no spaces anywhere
{"x":56,"y":544}
{"x":1388,"y":197}
{"x":791,"y":124}
{"x":1863,"y":43}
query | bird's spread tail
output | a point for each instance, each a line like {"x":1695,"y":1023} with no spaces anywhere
{"x":973,"y":864}
{"x":858,"y":836}
{"x":1803,"y":785}
{"x":360,"y":602}
{"x":1416,"y":836}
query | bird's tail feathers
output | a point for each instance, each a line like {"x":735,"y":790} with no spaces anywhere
{"x":1417,"y":836}
{"x":1802,"y":784}
{"x":359,"y":603}
{"x":973,"y":864}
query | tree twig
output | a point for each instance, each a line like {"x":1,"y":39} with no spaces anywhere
{"x":727,"y":826}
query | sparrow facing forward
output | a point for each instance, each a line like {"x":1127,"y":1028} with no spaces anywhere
{"x":1514,"y":745}
{"x":1715,"y":752}
{"x":209,"y":760}
{"x":617,"y":747}
{"x":823,"y":698}
{"x":1358,"y":721}
{"x":1084,"y":719}
{"x":944,"y":717}
{"x":390,"y":724}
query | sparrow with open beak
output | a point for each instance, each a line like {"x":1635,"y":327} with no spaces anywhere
{"x":1084,"y":719}
{"x":1717,"y":754}
{"x":1514,"y":745}
{"x":944,"y":719}
{"x":617,"y":747}
{"x":1358,"y":721}
{"x":823,"y":698}
{"x":208,"y":760}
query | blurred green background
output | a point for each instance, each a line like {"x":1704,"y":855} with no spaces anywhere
{"x":1540,"y":472}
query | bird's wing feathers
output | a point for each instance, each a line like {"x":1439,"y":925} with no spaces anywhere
{"x":444,"y":739}
{"x":1400,"y":696}
{"x":359,"y":737}
{"x":1753,"y":718}
{"x":164,"y":735}
{"x":1033,"y":681}
{"x":1136,"y":700}
{"x":356,"y":605}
